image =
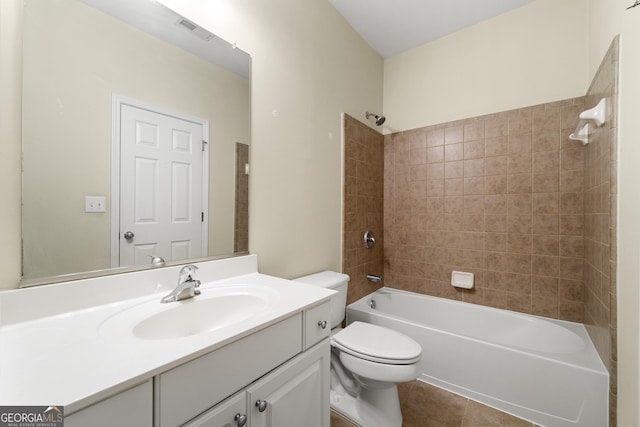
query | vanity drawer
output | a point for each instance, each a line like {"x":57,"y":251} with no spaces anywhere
{"x":196,"y":386}
{"x":133,"y":407}
{"x":317,"y":323}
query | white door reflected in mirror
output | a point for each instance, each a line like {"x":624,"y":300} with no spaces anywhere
{"x":163,"y":185}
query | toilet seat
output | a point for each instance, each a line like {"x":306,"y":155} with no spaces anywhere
{"x":377,"y":344}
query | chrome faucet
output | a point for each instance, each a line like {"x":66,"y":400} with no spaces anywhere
{"x":187,"y":286}
{"x":374,"y":279}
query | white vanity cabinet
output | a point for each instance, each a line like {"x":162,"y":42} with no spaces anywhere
{"x":133,"y":407}
{"x":210,"y":365}
{"x":273,"y":365}
{"x":190,"y":389}
{"x":295,"y":394}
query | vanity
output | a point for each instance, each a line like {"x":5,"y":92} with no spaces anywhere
{"x":250,"y":350}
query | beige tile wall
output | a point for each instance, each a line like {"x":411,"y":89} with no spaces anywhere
{"x":363,"y":192}
{"x":600,"y":295}
{"x":500,"y":196}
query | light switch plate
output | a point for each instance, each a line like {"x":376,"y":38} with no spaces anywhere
{"x":94,"y":204}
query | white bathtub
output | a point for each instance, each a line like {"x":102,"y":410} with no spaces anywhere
{"x":543,"y":370}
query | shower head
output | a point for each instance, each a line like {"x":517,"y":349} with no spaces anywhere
{"x":379,"y":119}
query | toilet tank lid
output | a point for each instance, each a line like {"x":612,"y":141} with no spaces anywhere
{"x":325,"y":279}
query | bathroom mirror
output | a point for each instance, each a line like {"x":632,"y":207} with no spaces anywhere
{"x":86,"y":63}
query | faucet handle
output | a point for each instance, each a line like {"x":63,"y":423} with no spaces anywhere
{"x":188,"y":269}
{"x":187,"y":272}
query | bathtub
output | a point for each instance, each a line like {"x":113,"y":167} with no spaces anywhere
{"x":542,"y":370}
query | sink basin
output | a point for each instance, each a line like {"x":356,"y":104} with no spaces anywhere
{"x":195,"y":316}
{"x":216,"y":308}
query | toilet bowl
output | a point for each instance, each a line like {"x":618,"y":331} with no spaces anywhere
{"x":374,"y":352}
{"x":367,"y":363}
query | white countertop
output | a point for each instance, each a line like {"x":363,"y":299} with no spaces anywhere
{"x":67,"y":358}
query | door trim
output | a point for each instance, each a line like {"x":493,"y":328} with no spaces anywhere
{"x":116,"y":107}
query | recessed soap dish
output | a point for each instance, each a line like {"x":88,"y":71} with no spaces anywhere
{"x":461,"y":279}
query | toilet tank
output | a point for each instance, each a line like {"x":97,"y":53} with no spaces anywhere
{"x":337,"y":282}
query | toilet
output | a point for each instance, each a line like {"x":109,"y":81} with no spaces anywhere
{"x":367,"y":361}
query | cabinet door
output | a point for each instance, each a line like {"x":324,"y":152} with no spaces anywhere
{"x":296,"y":394}
{"x":230,"y":413}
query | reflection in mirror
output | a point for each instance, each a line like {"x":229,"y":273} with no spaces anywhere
{"x":118,"y":97}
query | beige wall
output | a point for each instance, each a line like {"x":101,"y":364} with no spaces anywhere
{"x":68,"y":86}
{"x":308,"y":66}
{"x":531,"y":55}
{"x":10,"y":136}
{"x":606,"y":19}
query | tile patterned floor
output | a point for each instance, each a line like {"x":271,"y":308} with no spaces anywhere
{"x":424,"y":405}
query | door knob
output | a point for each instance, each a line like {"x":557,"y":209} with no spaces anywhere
{"x":129,"y":235}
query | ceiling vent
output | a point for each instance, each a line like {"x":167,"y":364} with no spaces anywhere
{"x":196,"y":30}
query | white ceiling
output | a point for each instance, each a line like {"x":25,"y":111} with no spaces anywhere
{"x":393,"y":26}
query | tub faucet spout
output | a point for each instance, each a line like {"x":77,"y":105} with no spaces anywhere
{"x":374,"y":279}
{"x":187,"y":286}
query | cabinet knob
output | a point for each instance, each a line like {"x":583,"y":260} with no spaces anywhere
{"x":322,"y":324}
{"x":261,"y":405}
{"x":241,"y":420}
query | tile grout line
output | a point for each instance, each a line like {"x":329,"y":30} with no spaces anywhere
{"x":464,"y":414}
